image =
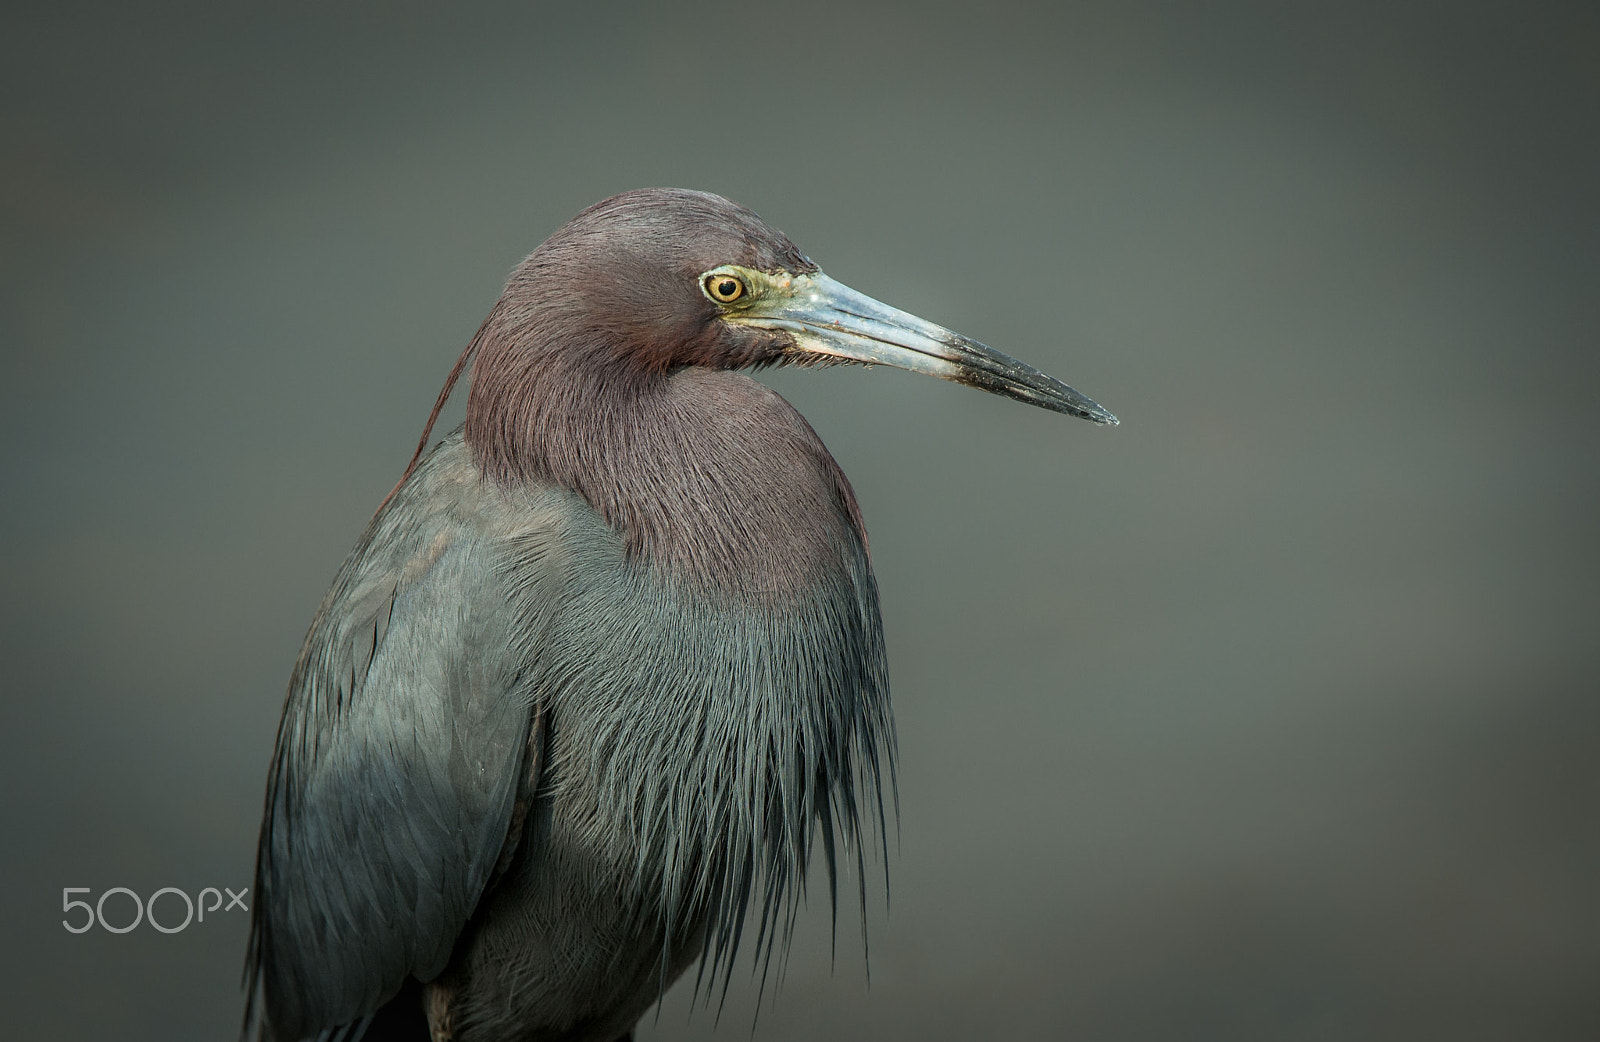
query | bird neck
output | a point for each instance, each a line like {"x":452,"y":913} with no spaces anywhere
{"x":707,"y":475}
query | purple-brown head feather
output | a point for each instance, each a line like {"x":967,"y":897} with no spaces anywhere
{"x":585,"y":375}
{"x":620,"y":283}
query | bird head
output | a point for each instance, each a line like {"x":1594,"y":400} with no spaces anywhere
{"x":657,"y":279}
{"x":665,"y":278}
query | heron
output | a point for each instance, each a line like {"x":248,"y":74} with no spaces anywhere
{"x":607,"y":666}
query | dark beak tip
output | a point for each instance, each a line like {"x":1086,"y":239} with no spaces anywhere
{"x":1092,"y":411}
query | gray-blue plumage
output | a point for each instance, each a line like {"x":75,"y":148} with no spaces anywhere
{"x":691,"y":740}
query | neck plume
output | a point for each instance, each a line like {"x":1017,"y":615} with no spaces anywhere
{"x":706,"y":474}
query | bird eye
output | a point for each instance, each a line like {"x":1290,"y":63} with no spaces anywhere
{"x":724,"y":288}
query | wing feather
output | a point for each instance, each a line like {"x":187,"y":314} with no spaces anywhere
{"x":403,"y":760}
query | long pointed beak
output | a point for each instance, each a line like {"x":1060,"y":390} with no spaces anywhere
{"x":829,"y":318}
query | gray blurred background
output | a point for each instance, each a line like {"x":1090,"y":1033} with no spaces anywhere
{"x":1270,"y":714}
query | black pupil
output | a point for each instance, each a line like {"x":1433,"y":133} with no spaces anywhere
{"x":727,"y":288}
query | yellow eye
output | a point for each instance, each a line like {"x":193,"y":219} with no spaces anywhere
{"x":724,"y":288}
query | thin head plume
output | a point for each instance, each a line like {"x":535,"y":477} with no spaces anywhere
{"x":438,"y":407}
